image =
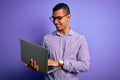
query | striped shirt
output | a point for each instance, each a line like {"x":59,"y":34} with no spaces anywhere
{"x":72,"y":48}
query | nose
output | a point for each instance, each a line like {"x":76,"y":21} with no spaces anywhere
{"x":55,"y":21}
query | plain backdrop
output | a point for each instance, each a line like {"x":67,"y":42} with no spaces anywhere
{"x":98,"y":20}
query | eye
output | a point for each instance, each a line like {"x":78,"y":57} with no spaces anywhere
{"x":59,"y":17}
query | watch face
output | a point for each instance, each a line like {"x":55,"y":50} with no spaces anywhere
{"x":61,"y":61}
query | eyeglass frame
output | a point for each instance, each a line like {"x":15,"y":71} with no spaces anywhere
{"x":58,"y":18}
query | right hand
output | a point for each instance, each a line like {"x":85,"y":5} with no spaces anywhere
{"x":33,"y":65}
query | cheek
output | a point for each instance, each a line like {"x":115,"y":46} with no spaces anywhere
{"x":64,"y":22}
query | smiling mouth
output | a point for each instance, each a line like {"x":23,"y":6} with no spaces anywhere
{"x":57,"y":26}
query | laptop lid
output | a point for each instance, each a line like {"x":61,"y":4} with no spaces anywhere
{"x":36,"y":52}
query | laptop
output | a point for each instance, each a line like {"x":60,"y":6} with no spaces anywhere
{"x":38,"y":53}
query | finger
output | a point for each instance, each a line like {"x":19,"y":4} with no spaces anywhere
{"x":31,"y":62}
{"x":26,"y":64}
{"x":37,"y":68}
{"x":49,"y":61}
{"x":34,"y":65}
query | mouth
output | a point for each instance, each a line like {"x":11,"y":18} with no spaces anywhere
{"x":57,"y":26}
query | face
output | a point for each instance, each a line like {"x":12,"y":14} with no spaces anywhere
{"x":61,"y":19}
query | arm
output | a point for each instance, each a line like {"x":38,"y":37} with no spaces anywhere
{"x":76,"y":64}
{"x":82,"y":62}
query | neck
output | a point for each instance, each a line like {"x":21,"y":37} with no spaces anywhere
{"x":65,"y":31}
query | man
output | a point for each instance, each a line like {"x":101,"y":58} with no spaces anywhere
{"x":68,"y":49}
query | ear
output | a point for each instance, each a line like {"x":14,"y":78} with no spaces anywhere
{"x":69,"y":16}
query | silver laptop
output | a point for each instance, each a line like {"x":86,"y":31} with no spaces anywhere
{"x":36,"y":52}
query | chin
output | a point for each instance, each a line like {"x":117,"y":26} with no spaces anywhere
{"x":59,"y":29}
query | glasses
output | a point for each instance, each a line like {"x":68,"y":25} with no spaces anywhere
{"x":58,"y":18}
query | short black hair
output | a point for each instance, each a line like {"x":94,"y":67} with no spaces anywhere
{"x":62,"y":6}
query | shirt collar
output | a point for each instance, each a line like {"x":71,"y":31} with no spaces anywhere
{"x":70,"y":33}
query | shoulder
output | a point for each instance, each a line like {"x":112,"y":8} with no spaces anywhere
{"x":79,"y":36}
{"x":81,"y":39}
{"x":49,"y":36}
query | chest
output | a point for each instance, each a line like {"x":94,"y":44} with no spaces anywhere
{"x":62,"y":47}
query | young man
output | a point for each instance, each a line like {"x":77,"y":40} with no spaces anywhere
{"x":68,"y":49}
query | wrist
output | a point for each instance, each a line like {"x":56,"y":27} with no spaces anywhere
{"x":61,"y":63}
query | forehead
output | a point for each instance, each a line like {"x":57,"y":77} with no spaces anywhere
{"x":59,"y":12}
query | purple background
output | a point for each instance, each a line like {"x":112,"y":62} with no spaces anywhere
{"x":98,"y":20}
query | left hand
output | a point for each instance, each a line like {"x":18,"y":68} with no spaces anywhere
{"x":53,"y":63}
{"x":33,"y":65}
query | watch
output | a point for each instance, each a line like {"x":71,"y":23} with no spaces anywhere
{"x":61,"y":62}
